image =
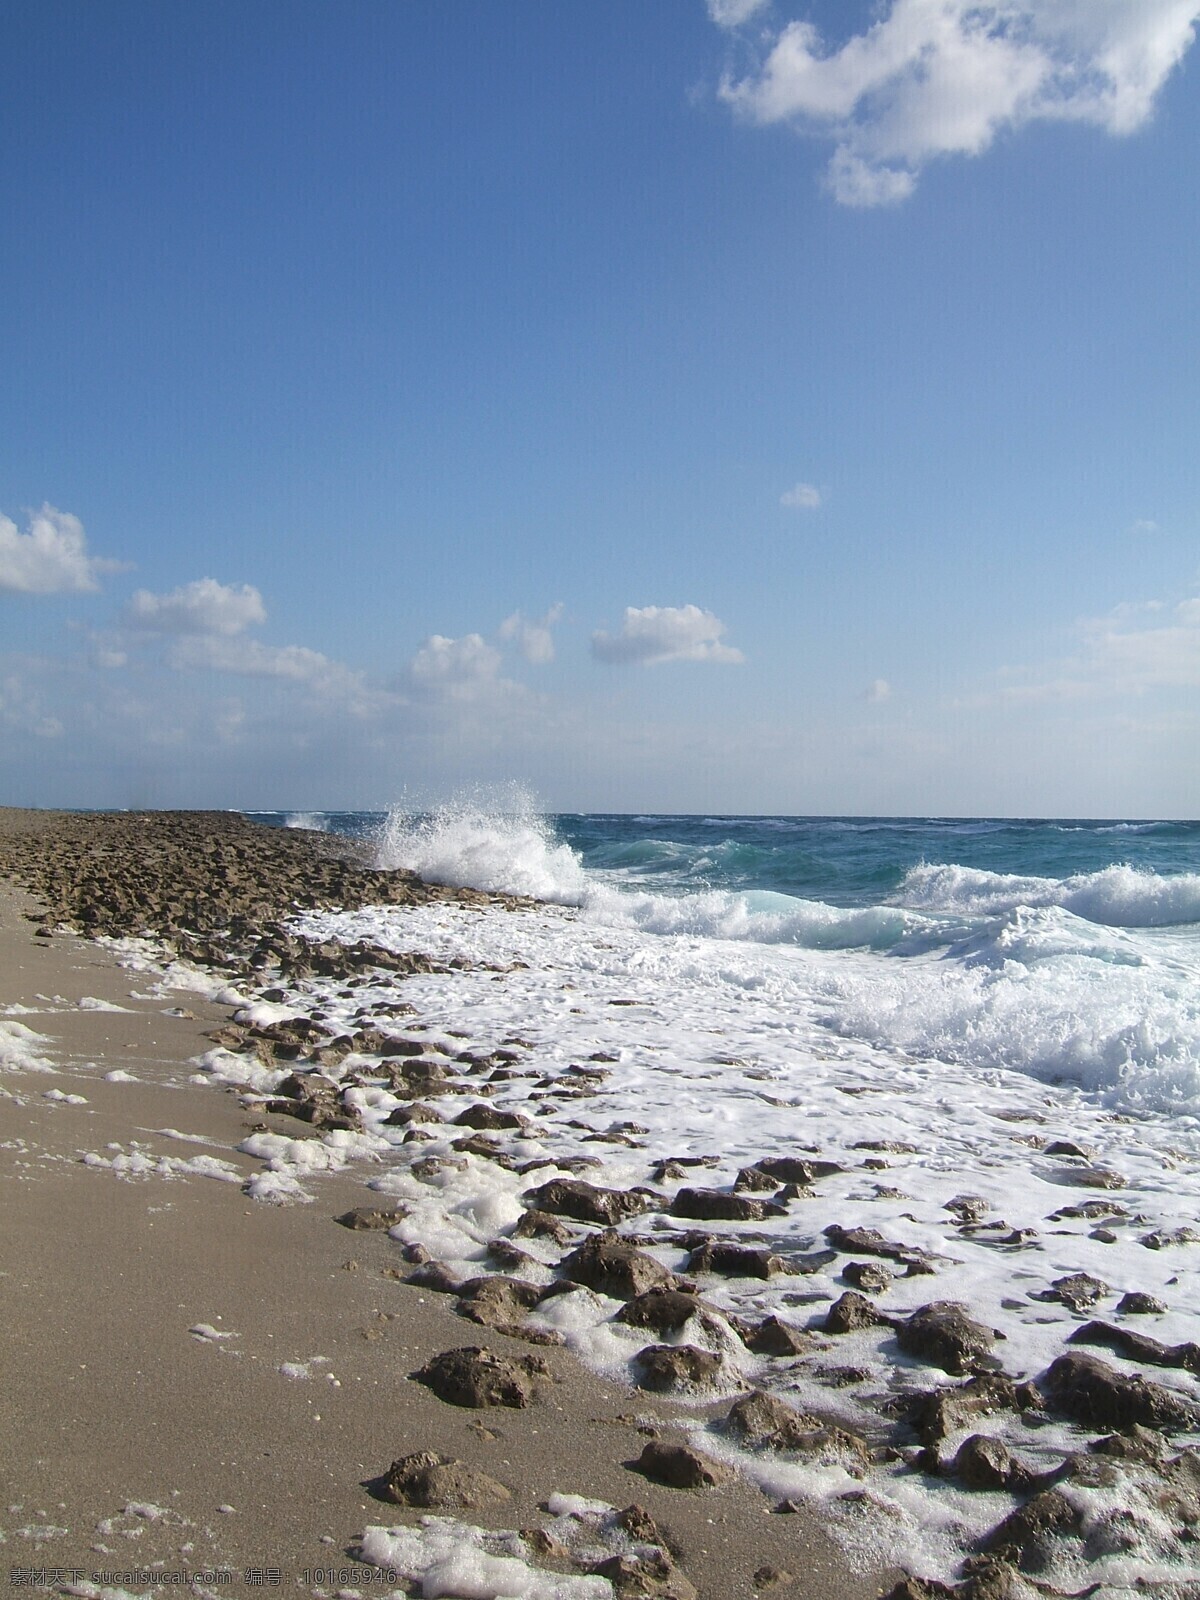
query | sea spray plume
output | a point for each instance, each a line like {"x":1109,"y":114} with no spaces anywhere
{"x":492,"y":839}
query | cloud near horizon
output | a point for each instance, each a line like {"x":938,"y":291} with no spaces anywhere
{"x":946,"y":77}
{"x":533,"y":638}
{"x":51,"y":557}
{"x":651,"y":635}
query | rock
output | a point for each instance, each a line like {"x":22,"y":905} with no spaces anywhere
{"x":737,"y":1261}
{"x":664,"y":1309}
{"x":763,"y":1422}
{"x":1092,"y":1177}
{"x":893,"y":1147}
{"x":755,"y":1180}
{"x":921,"y":1589}
{"x":1164,"y":1238}
{"x":1138,"y":1304}
{"x":541,"y":1225}
{"x":484,"y":1116}
{"x":853,"y":1311}
{"x":654,"y":1574}
{"x":770,"y":1577}
{"x":497,"y":1301}
{"x":680,"y":1467}
{"x":1091,"y":1392}
{"x":435,"y":1276}
{"x":371,"y":1217}
{"x":678,"y":1369}
{"x":476,"y":1378}
{"x":1079,"y":1291}
{"x":416,"y":1111}
{"x":868,"y":1276}
{"x":439,"y":1482}
{"x":1139,"y":1346}
{"x":869,"y":1242}
{"x":719,"y":1206}
{"x":774,"y":1337}
{"x":983,"y":1462}
{"x":800,"y":1170}
{"x":1026,"y":1536}
{"x":611,"y":1265}
{"x":943,"y":1333}
{"x":677,"y":1166}
{"x":968,"y":1208}
{"x":937,"y":1413}
{"x":571,"y":1197}
{"x":1068,"y":1147}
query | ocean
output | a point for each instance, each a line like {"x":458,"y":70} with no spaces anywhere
{"x":988,"y":1029}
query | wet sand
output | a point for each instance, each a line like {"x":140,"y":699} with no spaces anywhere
{"x":131,"y":1440}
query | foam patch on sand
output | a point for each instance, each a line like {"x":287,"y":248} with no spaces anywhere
{"x":449,"y":1558}
{"x":138,"y":1163}
{"x":19,"y":1049}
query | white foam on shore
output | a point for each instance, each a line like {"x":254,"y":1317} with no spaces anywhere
{"x":139,"y":1163}
{"x":19,"y":1047}
{"x":450,"y":1558}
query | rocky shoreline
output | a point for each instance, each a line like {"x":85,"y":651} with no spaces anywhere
{"x":219,"y":891}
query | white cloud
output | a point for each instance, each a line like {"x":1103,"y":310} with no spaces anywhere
{"x":457,"y":669}
{"x":51,"y":558}
{"x":204,"y":607}
{"x":879,"y":691}
{"x":946,"y":77}
{"x":801,"y":497}
{"x":652,"y":634}
{"x":248,"y":658}
{"x":732,"y":13}
{"x":532,"y":638}
{"x":1144,"y":525}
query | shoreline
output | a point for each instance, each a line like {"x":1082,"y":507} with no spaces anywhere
{"x":119,"y":1404}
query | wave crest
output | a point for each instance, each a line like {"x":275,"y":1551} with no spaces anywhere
{"x":1116,"y":897}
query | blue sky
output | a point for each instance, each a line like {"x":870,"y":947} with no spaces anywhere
{"x":750,"y":407}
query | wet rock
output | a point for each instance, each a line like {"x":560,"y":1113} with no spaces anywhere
{"x":1139,"y":1346}
{"x":868,"y":1276}
{"x":1165,"y":1238}
{"x":1092,"y":1177}
{"x":678,"y":1369}
{"x":541,"y":1225}
{"x":983,"y":1462}
{"x":679,"y":1466}
{"x":497,"y":1302}
{"x":483,"y":1116}
{"x":938,"y":1413}
{"x":679,"y":1166}
{"x":870,"y":1242}
{"x":944,"y":1334}
{"x":774,"y":1337}
{"x":1027,"y":1536}
{"x":853,"y":1311}
{"x":435,"y":1276}
{"x":763,"y":1422}
{"x":372,"y":1217}
{"x":1135,"y":1444}
{"x":664,"y":1309}
{"x":416,"y":1111}
{"x":1138,"y":1304}
{"x":803,"y":1171}
{"x":430,"y":1480}
{"x":651,"y":1575}
{"x":1091,"y":1392}
{"x":1068,"y":1147}
{"x":611,"y":1265}
{"x":717,"y":1205}
{"x":478,"y":1144}
{"x":737,"y":1261}
{"x":968,"y":1208}
{"x":1079,"y":1291}
{"x":895,"y":1147}
{"x":475,"y":1378}
{"x":585,"y":1202}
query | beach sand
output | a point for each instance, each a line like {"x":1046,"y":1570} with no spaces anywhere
{"x":151,"y":1325}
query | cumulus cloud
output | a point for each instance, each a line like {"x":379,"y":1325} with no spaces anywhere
{"x":51,"y":557}
{"x":878,"y":691}
{"x":457,"y":669}
{"x":533,"y":638}
{"x":203,"y":607}
{"x":801,"y":497}
{"x":946,"y":77}
{"x":653,"y":634}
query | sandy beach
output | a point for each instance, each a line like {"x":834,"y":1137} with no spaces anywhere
{"x":199,"y":1385}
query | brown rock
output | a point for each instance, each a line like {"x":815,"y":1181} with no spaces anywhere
{"x":680,"y":1467}
{"x":983,"y":1462}
{"x":476,"y":1378}
{"x":1091,"y":1392}
{"x":1027,"y":1535}
{"x":1139,"y":1346}
{"x":940,"y":1412}
{"x":611,"y":1265}
{"x":497,"y":1301}
{"x":763,"y":1422}
{"x":737,"y":1261}
{"x":678,"y":1369}
{"x":943,"y":1333}
{"x":853,"y":1311}
{"x":661,"y":1308}
{"x":1138,"y":1304}
{"x":571,"y":1197}
{"x":430,"y":1480}
{"x":369,"y":1217}
{"x":541,"y":1225}
{"x":868,"y":1276}
{"x":1079,"y":1291}
{"x":721,"y":1206}
{"x":774,"y":1337}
